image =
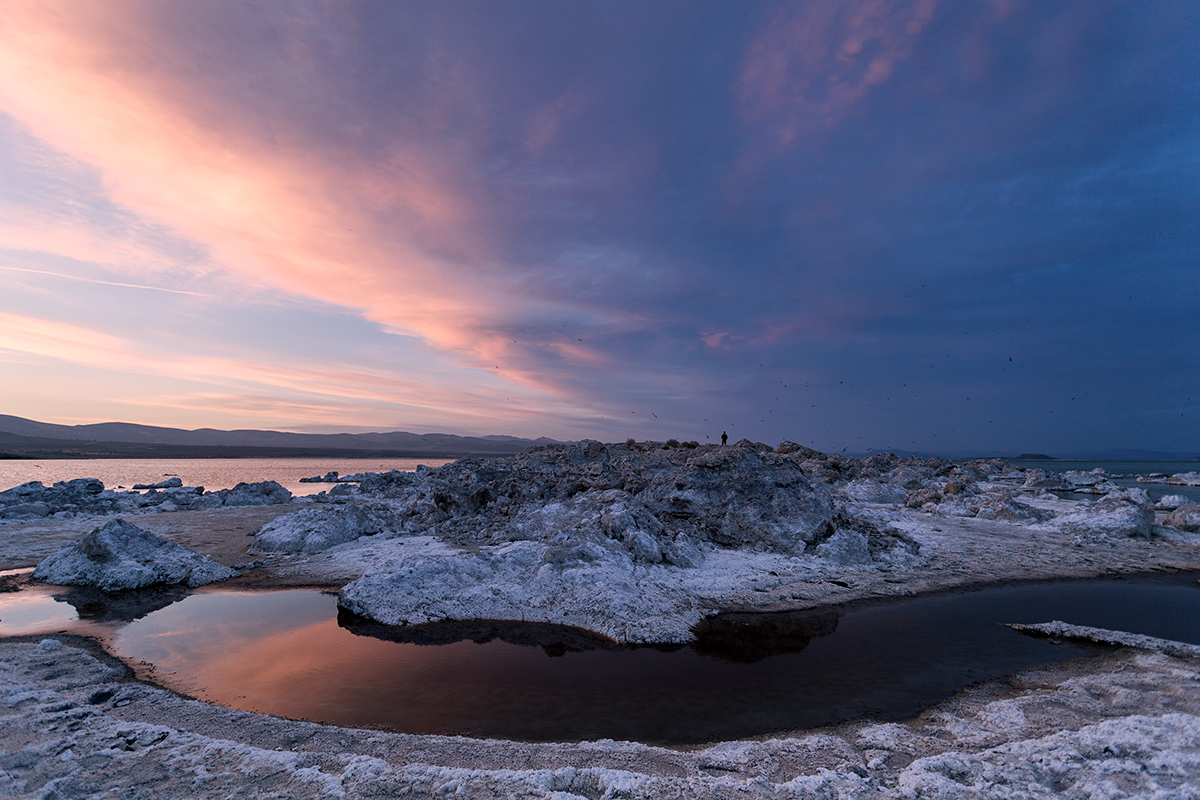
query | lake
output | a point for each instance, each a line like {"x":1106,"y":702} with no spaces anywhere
{"x":211,"y":473}
{"x":290,"y":654}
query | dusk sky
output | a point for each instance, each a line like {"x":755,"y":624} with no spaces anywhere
{"x":931,"y":225}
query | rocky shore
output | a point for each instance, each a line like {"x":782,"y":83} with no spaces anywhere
{"x":636,"y":542}
{"x":74,"y":724}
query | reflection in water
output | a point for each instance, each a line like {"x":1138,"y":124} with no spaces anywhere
{"x":285,"y":653}
{"x":746,"y":638}
{"x":96,"y":605}
{"x":555,"y":640}
{"x":33,"y":611}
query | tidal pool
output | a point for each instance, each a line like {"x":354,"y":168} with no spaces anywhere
{"x":288,"y":653}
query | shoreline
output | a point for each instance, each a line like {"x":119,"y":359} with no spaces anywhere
{"x":99,"y":727}
{"x":990,"y":734}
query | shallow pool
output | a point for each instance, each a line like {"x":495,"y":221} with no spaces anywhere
{"x":288,"y":653}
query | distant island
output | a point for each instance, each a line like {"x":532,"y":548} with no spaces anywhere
{"x":1033,"y":457}
{"x":24,"y":439}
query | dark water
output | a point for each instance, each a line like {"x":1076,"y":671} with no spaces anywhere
{"x":287,"y":653}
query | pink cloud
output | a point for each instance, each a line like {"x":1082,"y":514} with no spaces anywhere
{"x":811,"y":64}
{"x":249,"y":387}
{"x":22,"y":334}
{"x":394,"y":238}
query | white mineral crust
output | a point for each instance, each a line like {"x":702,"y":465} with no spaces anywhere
{"x":120,"y":556}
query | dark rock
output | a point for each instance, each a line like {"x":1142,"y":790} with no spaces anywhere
{"x":169,"y":483}
{"x":919,"y":497}
{"x":264,"y":493}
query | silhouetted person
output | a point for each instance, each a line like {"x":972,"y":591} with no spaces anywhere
{"x":724,"y":438}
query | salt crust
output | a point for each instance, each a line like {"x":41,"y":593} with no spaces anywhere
{"x":638,"y":544}
{"x":119,"y":556}
{"x":1062,"y":630}
{"x":1126,"y":727}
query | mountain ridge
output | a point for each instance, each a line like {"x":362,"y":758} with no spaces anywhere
{"x":30,"y":436}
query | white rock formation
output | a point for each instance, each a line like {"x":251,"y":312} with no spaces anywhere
{"x":1185,"y":518}
{"x":563,"y":545}
{"x":120,"y":556}
{"x":1172,"y":501}
{"x":871,"y":490}
{"x":313,"y":530}
{"x":1122,"y":512}
{"x":1063,"y":630}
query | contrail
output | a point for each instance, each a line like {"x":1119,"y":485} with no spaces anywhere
{"x":104,"y":283}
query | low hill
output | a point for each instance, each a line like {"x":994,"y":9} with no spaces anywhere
{"x":25,"y":438}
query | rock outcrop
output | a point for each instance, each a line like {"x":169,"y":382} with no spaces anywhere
{"x":1172,"y":501}
{"x":120,"y":556}
{"x":1185,"y":518}
{"x":314,"y":530}
{"x":263,"y":493}
{"x":603,"y":536}
{"x":1122,"y":512}
{"x":87,"y":496}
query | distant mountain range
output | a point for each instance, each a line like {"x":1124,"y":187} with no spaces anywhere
{"x":26,"y":438}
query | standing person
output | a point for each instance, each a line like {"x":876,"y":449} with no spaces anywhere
{"x":724,"y":438}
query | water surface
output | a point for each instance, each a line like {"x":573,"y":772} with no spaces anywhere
{"x":211,"y":473}
{"x":288,"y":653}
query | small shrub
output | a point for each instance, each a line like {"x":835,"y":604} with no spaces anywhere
{"x":630,"y":442}
{"x":672,"y":443}
{"x":691,"y":445}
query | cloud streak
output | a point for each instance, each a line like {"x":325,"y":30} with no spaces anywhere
{"x":99,"y":282}
{"x":616,"y":214}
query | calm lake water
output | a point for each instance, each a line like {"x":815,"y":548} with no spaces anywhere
{"x":211,"y":473}
{"x":1156,"y":490}
{"x":289,"y":654}
{"x":1114,"y":467}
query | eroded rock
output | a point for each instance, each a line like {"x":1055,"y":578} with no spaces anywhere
{"x":1120,"y":513}
{"x":1185,"y":518}
{"x":120,"y":556}
{"x":313,"y":530}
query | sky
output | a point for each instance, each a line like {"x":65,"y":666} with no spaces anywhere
{"x":855,"y":224}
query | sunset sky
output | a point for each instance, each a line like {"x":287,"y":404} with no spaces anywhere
{"x":856,"y":224}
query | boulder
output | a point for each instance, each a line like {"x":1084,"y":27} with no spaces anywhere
{"x":120,"y":556}
{"x":919,"y":497}
{"x":1004,"y":507}
{"x":581,"y":583}
{"x":264,"y":493}
{"x":1171,"y":501}
{"x":1185,"y":518}
{"x":169,"y":483}
{"x":1185,"y":479}
{"x":846,"y":547}
{"x":1079,"y":479}
{"x":316,"y":529}
{"x":1121,"y":513}
{"x":870,"y":490}
{"x":1050,"y":481}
